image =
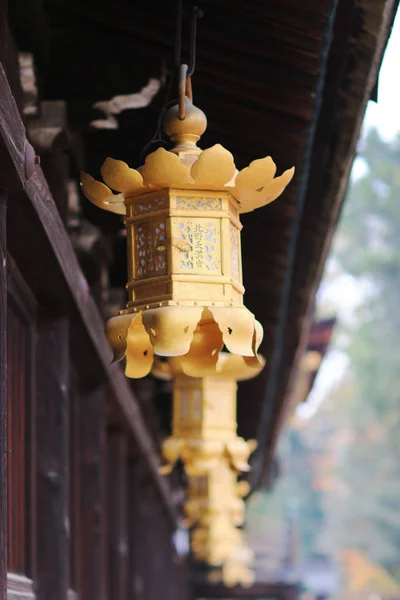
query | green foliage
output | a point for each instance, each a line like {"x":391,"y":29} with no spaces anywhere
{"x":352,"y":501}
{"x":294,"y":497}
{"x":368,"y":248}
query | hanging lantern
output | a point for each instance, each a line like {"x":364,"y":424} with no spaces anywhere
{"x":217,"y":541}
{"x":214,"y":493}
{"x":182,"y":213}
{"x":236,"y":570}
{"x":215,"y":508}
{"x":204,"y":420}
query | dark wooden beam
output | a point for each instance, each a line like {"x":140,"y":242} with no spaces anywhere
{"x":145,"y":576}
{"x":74,"y":483}
{"x":3,"y":344}
{"x":136,"y":549}
{"x":117,"y":507}
{"x":3,"y":399}
{"x":52,"y":460}
{"x":278,"y":590}
{"x":334,"y":150}
{"x":91,"y":517}
{"x":54,"y":275}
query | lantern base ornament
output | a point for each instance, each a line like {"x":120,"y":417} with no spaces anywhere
{"x":204,"y":438}
{"x":204,"y":421}
{"x":182,"y":214}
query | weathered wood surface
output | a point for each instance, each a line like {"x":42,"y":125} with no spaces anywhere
{"x":91,"y":511}
{"x":3,"y":344}
{"x":277,"y":590}
{"x":353,"y":72}
{"x":55,"y":277}
{"x":3,"y":398}
{"x":52,"y":551}
{"x":136,"y":551}
{"x":117,"y":511}
{"x":74,"y":481}
{"x":21,"y":329}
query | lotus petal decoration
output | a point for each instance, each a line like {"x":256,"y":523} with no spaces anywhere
{"x":163,"y":169}
{"x":212,"y":169}
{"x":238,"y":327}
{"x":215,"y":166}
{"x":255,"y":186}
{"x":212,"y":364}
{"x":101,"y":196}
{"x":192,"y":336}
{"x":202,"y":358}
{"x":120,"y":177}
{"x":117,"y":334}
{"x":139,"y":350}
{"x":237,"y":368}
{"x":257,"y":175}
{"x":171,"y":328}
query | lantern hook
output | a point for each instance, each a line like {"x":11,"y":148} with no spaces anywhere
{"x":185,"y":71}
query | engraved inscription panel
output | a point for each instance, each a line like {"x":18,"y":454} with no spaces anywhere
{"x":199,"y":242}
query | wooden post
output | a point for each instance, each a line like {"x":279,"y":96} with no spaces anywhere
{"x":91,"y":514}
{"x":3,"y":348}
{"x":117,"y":480}
{"x":52,"y":460}
{"x":74,"y":484}
{"x":3,"y":400}
{"x":137,"y":535}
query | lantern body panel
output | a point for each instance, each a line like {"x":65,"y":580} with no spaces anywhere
{"x":214,"y":493}
{"x":183,"y":249}
{"x":204,"y":408}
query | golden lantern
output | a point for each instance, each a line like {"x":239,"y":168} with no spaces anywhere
{"x":182,"y":213}
{"x":216,"y":542}
{"x":204,"y":420}
{"x":204,"y":437}
{"x":215,"y":507}
{"x":236,"y":570}
{"x":213,"y":493}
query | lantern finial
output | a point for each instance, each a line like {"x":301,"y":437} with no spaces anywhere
{"x":185,"y":133}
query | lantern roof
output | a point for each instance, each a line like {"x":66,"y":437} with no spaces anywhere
{"x":187,"y":167}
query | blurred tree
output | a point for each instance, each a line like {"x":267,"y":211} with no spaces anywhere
{"x":367,"y":247}
{"x":342,"y":467}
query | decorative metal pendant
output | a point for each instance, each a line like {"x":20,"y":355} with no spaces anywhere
{"x":182,"y":212}
{"x":204,"y":430}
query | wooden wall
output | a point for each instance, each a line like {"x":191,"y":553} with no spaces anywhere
{"x":88,"y":514}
